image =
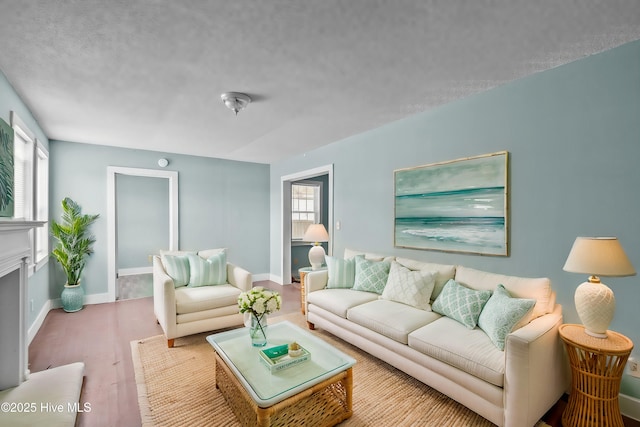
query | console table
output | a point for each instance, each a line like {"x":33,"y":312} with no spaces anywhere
{"x":597,"y":365}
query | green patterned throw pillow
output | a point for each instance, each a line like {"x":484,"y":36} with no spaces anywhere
{"x":501,"y":314}
{"x":210,"y":271}
{"x":371,"y":276}
{"x":177,"y":267}
{"x":410,"y":287}
{"x":461,"y":303}
{"x":341,"y":272}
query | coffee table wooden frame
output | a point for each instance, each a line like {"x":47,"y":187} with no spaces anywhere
{"x":324,"y":404}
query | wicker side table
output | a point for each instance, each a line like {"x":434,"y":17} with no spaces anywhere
{"x":303,"y":272}
{"x":596,"y":371}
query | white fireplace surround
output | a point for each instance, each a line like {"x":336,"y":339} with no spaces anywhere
{"x":15,"y":252}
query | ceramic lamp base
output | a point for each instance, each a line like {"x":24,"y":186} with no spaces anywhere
{"x":316,"y":256}
{"x":595,"y":305}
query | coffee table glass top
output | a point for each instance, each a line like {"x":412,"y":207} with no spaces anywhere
{"x":267,"y":388}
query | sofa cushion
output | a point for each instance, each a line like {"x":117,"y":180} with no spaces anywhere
{"x":350,"y":253}
{"x":338,"y":301}
{"x":210,"y":271}
{"x":445,"y":272}
{"x":519,"y":287}
{"x":461,"y":303}
{"x":191,"y":300}
{"x":470,"y":350}
{"x":501,"y":313}
{"x":391,"y":319}
{"x":341,"y":272}
{"x":371,"y":276}
{"x":409,"y":287}
{"x":177,"y":267}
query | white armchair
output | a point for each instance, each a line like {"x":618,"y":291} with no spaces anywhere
{"x":188,"y":310}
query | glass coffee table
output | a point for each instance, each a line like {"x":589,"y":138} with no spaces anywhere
{"x":315,"y":392}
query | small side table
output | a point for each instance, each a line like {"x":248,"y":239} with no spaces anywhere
{"x":303,"y":272}
{"x":597,"y":365}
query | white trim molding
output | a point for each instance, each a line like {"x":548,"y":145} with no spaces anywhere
{"x":112,"y":243}
{"x":285,"y":215}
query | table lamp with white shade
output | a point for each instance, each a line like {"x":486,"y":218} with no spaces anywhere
{"x":597,"y":256}
{"x":316,"y":233}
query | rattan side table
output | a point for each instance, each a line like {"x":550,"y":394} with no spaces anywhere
{"x":303,"y":272}
{"x":597,"y":365}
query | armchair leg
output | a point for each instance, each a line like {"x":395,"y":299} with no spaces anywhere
{"x":170,"y":342}
{"x":311,"y":326}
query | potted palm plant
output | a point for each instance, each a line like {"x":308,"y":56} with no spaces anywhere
{"x":74,"y":245}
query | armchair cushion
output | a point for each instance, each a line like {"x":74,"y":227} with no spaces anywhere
{"x":177,"y":267}
{"x":190,"y":300}
{"x":210,"y":271}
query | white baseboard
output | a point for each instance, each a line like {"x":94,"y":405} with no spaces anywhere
{"x":275,"y":278}
{"x":39,"y":320}
{"x":629,"y":406}
{"x":260,"y":277}
{"x":135,"y":271}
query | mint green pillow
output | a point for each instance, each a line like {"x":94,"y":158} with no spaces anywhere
{"x":341,"y":272}
{"x":210,"y":271}
{"x":177,"y":267}
{"x":371,"y":276}
{"x":501,"y":314}
{"x":461,"y":303}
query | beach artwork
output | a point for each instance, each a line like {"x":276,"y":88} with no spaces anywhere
{"x":454,"y":206}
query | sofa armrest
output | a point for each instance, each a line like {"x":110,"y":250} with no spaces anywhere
{"x":164,"y":298}
{"x":536,"y":372}
{"x":239,"y":277}
{"x":315,"y":280}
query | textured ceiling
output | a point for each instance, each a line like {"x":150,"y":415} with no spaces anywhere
{"x":148,"y":74}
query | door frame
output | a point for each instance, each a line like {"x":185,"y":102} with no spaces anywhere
{"x":285,"y":214}
{"x":112,"y":223}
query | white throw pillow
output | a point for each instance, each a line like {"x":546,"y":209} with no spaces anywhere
{"x":410,"y":287}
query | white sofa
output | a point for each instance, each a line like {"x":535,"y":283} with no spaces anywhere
{"x":513,"y":387}
{"x":184,"y":309}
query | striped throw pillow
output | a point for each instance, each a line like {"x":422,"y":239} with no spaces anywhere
{"x":210,"y":271}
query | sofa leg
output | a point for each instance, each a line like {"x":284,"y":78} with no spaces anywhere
{"x":311,"y":326}
{"x":170,"y":343}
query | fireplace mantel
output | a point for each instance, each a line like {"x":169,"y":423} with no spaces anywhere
{"x":15,"y":251}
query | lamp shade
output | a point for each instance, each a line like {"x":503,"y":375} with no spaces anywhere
{"x":316,"y":233}
{"x":598,"y":256}
{"x":595,"y":302}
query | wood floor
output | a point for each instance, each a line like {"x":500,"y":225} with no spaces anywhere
{"x":99,"y":335}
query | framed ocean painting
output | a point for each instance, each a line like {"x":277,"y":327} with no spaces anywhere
{"x":454,"y":206}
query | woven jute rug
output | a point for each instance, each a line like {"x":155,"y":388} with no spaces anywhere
{"x":177,"y":387}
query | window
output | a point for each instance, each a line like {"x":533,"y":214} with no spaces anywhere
{"x":31,"y":186}
{"x":305,"y":207}
{"x":23,"y":169}
{"x":41,"y":246}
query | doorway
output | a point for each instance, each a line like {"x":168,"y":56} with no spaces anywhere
{"x":120,"y":175}
{"x":286,"y":183}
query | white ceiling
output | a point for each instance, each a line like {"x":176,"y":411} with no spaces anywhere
{"x":148,"y":74}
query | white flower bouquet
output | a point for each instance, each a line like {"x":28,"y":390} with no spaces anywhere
{"x":259,"y":302}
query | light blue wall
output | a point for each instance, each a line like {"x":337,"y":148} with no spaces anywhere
{"x":10,"y":101}
{"x":573,"y":134}
{"x":143,"y":219}
{"x":222,"y":203}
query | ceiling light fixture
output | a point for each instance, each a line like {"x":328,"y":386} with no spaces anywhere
{"x":235,"y":101}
